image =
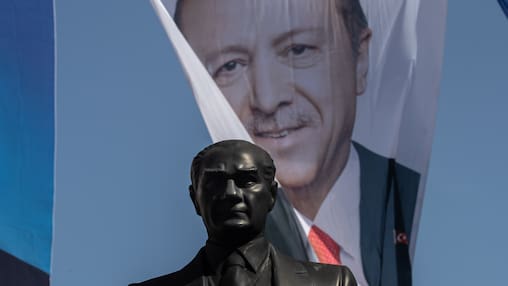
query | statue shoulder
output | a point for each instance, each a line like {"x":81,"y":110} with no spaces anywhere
{"x":326,"y":274}
{"x":313,"y":273}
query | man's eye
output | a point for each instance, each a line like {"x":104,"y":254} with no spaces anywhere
{"x":298,"y":49}
{"x":229,"y":66}
{"x":229,"y":71}
{"x":246,"y":181}
{"x":300,"y":55}
{"x":213,"y":182}
{"x":249,"y":184}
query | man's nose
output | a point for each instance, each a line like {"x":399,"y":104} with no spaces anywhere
{"x":231,"y":189}
{"x":271,"y":85}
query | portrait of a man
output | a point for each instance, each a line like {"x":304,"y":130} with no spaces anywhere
{"x":292,"y":72}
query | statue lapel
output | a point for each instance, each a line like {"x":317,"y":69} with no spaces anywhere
{"x":196,"y":269}
{"x":200,"y":281}
{"x":288,"y":272}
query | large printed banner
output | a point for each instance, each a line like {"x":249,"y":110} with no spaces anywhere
{"x":26,"y":141}
{"x":343,"y":95}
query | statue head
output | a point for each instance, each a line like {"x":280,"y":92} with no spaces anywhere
{"x":233,"y":189}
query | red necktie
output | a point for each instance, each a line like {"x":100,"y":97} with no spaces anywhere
{"x":326,"y":249}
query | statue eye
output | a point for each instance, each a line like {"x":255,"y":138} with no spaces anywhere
{"x":247,"y":181}
{"x":214,"y":182}
{"x":214,"y":185}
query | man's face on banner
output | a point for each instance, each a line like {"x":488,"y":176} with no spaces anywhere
{"x":288,"y":70}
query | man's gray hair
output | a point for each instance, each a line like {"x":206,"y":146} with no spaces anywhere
{"x":351,"y":10}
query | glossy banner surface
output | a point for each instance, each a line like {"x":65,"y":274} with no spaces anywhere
{"x":343,"y":95}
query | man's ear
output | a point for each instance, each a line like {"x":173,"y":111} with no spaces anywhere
{"x":273,"y":191}
{"x":362,"y":60}
{"x":192,"y":195}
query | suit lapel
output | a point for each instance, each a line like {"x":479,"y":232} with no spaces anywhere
{"x":376,"y":225}
{"x":200,"y":281}
{"x":283,"y":230}
{"x":374,"y":186}
{"x":196,"y":270}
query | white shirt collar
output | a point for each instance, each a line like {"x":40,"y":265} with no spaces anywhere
{"x":339,"y":216}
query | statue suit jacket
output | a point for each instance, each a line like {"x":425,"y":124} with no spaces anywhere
{"x":286,"y":272}
{"x":387,"y":203}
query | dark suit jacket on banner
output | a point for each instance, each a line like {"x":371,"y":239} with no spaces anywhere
{"x":296,"y":273}
{"x":387,"y":203}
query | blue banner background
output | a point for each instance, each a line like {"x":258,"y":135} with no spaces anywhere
{"x":26,"y":130}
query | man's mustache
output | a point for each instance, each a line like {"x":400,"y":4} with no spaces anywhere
{"x":282,"y":119}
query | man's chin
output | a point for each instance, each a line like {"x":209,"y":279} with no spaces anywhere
{"x":235,"y":224}
{"x":236,"y":232}
{"x":295,"y":179}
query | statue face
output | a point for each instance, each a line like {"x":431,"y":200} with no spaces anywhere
{"x":232,"y":195}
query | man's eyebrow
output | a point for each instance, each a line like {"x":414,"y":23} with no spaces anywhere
{"x":291,"y":33}
{"x":213,"y":55}
{"x":239,"y":169}
{"x":214,"y":170}
{"x":247,"y":169}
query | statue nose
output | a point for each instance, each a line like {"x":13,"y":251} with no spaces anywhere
{"x":231,"y":189}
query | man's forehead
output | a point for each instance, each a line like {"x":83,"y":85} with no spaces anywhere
{"x":230,"y":16}
{"x":226,"y":159}
{"x":242,"y":25}
{"x":223,"y":169}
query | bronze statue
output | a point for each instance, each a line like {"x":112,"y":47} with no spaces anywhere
{"x":233,"y":189}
